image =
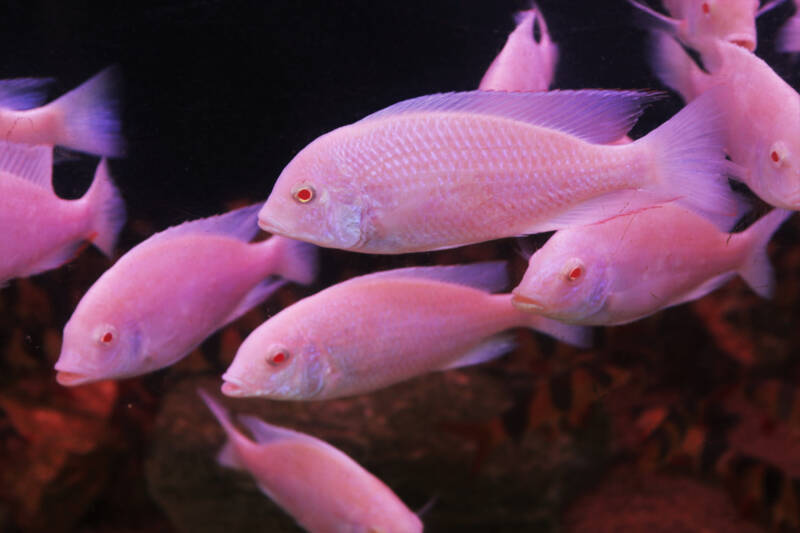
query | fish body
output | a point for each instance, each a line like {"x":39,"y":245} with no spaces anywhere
{"x":524,"y":64}
{"x":630,"y":267}
{"x":165,"y":296}
{"x":762,"y":133}
{"x":85,"y":119}
{"x":376,"y":330}
{"x":41,"y":231}
{"x":321,"y":487}
{"x":454,"y":169}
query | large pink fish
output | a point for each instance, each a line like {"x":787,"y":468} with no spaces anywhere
{"x":166,"y":295}
{"x":321,"y":487}
{"x":85,"y":119}
{"x":376,"y":330}
{"x":762,"y":131}
{"x":41,"y":231}
{"x":623,"y":269}
{"x":693,"y":21}
{"x":452,"y":169}
{"x":524,"y":64}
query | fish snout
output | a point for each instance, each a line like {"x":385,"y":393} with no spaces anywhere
{"x":232,"y":389}
{"x":526,"y":304}
{"x":744,"y":40}
{"x":71,"y":379}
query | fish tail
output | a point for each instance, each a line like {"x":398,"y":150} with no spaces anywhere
{"x":580,"y":336}
{"x":90,"y":114}
{"x":228,"y":455}
{"x":757,"y":270}
{"x":107,"y":210}
{"x":690,"y":165}
{"x":294,"y":260}
{"x":673,"y":66}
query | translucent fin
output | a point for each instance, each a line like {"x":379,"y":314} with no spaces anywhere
{"x":265,"y":433}
{"x":580,"y":336}
{"x":293,"y":260}
{"x":241,"y":224}
{"x":789,"y":36}
{"x":91,"y":116}
{"x":654,"y":20}
{"x":593,"y":115}
{"x":30,"y":162}
{"x":258,"y":294}
{"x":674,"y":67}
{"x":57,"y":258}
{"x":228,"y":455}
{"x":757,"y":270}
{"x":489,"y":349}
{"x":689,"y":159}
{"x":705,"y":288}
{"x":490,"y":276}
{"x":768,"y":6}
{"x":23,"y":93}
{"x":108,"y":210}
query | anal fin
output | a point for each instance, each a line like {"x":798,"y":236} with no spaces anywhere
{"x":489,"y":349}
{"x":704,"y":288}
{"x":258,"y":294}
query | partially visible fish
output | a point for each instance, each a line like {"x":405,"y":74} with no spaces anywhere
{"x":762,"y":130}
{"x":85,"y":119}
{"x":321,"y":487}
{"x":166,"y":295}
{"x":788,"y":40}
{"x":732,"y":21}
{"x":524,"y":63}
{"x":633,"y":266}
{"x":453,"y":169}
{"x":41,"y":231}
{"x":376,"y":330}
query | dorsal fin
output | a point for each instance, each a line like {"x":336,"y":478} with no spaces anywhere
{"x":33,"y":163}
{"x":593,"y":115}
{"x":490,"y":276}
{"x":240,"y":224}
{"x":23,"y":93}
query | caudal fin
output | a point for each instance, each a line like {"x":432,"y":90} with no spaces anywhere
{"x":91,"y":116}
{"x":757,"y":270}
{"x":690,"y":163}
{"x":673,"y":66}
{"x":107,"y":210}
{"x":294,"y":260}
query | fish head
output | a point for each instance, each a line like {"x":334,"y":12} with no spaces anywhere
{"x":733,"y":21}
{"x":276,"y":363}
{"x":98,"y":349}
{"x":779,"y":176}
{"x":564,"y":282}
{"x":316,"y":200}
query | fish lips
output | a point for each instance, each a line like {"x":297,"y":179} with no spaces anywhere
{"x":527,"y":304}
{"x":744,"y":40}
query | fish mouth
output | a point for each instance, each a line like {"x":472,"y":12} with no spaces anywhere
{"x":745,"y":41}
{"x":72,"y":379}
{"x":233,"y":387}
{"x":526,"y":304}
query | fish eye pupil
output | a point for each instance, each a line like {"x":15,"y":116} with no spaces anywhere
{"x":107,"y":337}
{"x":575,"y":273}
{"x":304,"y":195}
{"x":706,"y":8}
{"x":278,"y":358}
{"x":775,"y":157}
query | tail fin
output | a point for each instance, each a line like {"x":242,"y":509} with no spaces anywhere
{"x":673,"y":66}
{"x":295,"y":260}
{"x":757,"y":270}
{"x":91,"y":116}
{"x":107,"y":208}
{"x":690,"y":162}
{"x":228,"y":456}
{"x":580,"y":336}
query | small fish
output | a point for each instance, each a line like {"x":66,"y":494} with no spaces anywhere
{"x":452,"y":169}
{"x":524,"y":63}
{"x":732,"y":21}
{"x":41,"y":231}
{"x":85,"y":119}
{"x":166,"y":295}
{"x":762,"y":133}
{"x":623,"y":270}
{"x":376,"y":330}
{"x":321,"y":487}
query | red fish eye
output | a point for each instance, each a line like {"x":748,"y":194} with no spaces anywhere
{"x":575,"y":273}
{"x":706,"y":8}
{"x":775,"y":157}
{"x":304,"y":194}
{"x":107,"y":337}
{"x":278,"y":358}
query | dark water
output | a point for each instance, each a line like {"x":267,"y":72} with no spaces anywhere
{"x":219,"y":95}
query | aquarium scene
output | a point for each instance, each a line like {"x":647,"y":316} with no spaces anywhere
{"x":392,"y":267}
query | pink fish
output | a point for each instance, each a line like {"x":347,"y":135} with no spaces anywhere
{"x":732,"y":21}
{"x":762,"y":133}
{"x":524,"y":64}
{"x":321,"y":487}
{"x":84,"y":119}
{"x":789,"y":35}
{"x":42,"y":231}
{"x":166,"y":295}
{"x":376,"y":330}
{"x":622,"y":270}
{"x":453,"y":169}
